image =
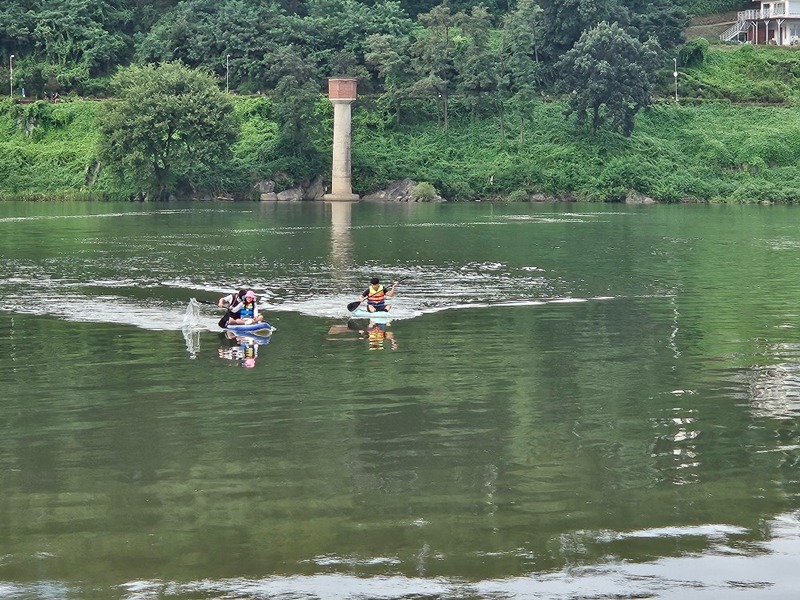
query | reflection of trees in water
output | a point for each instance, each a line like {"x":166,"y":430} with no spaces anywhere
{"x":774,"y":390}
{"x":774,"y":394}
{"x":675,"y":451}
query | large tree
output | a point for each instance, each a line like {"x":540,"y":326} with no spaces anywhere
{"x":476,"y":61}
{"x":564,"y":21}
{"x":608,"y":77}
{"x":168,"y":128}
{"x":433,"y":57}
{"x":519,"y":70}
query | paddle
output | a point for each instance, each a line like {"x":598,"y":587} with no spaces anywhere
{"x":354,"y":305}
{"x":223,"y":322}
{"x":208,"y":302}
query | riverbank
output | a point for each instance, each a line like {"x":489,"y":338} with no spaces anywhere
{"x":690,"y":151}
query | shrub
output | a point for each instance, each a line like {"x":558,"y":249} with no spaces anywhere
{"x":518,"y":196}
{"x":694,"y":53}
{"x":423,"y":191}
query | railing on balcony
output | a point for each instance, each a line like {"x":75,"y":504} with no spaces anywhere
{"x":779,"y":10}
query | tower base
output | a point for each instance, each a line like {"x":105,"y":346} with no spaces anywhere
{"x":340,"y":197}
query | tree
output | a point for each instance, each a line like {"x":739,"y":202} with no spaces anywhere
{"x":519,"y":59}
{"x":78,"y":39}
{"x":433,"y":53}
{"x":169,"y":126}
{"x":661,"y":19}
{"x":476,"y":61}
{"x":607,"y":75}
{"x":564,"y":21}
{"x":389,"y":55}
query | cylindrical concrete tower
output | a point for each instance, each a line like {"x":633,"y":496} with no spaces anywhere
{"x":341,"y":93}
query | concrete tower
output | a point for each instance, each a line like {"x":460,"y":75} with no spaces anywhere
{"x":341,"y":93}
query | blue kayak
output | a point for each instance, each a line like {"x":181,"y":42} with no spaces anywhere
{"x":252,"y":327}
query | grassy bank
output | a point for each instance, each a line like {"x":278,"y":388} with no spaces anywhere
{"x":698,"y":150}
{"x":713,"y":152}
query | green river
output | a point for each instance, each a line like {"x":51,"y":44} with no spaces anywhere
{"x":571,"y":401}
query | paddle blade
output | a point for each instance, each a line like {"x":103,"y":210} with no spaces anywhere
{"x":353,"y":305}
{"x":224,"y":320}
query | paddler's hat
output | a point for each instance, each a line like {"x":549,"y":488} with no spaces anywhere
{"x":250,"y":295}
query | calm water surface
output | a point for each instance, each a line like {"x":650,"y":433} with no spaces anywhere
{"x":572,"y":401}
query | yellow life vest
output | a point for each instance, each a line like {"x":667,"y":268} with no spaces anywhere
{"x":376,"y":295}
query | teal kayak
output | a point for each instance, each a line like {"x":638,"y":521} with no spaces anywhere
{"x":377,"y":316}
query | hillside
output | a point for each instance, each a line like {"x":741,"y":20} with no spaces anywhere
{"x":718,"y":144}
{"x":702,"y":152}
{"x":710,"y":26}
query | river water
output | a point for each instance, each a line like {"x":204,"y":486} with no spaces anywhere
{"x":571,"y":401}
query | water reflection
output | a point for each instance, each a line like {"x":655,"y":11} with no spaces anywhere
{"x":774,"y":389}
{"x":675,"y":451}
{"x":240,"y":347}
{"x":377,"y":333}
{"x":341,"y":241}
{"x":733,"y":565}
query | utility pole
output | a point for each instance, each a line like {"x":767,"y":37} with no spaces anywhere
{"x":675,"y":75}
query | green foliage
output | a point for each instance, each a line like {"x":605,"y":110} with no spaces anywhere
{"x":517,"y":196}
{"x":693,"y":53}
{"x":49,"y":150}
{"x":764,"y":74}
{"x":607,"y":75}
{"x":66,"y":44}
{"x":708,"y":151}
{"x":707,"y":7}
{"x":423,"y":191}
{"x":167,"y":130}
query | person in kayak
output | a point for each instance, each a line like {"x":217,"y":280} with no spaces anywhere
{"x":231,"y":300}
{"x":247,"y":311}
{"x":376,"y":295}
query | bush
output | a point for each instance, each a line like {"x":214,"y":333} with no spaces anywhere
{"x":694,"y":53}
{"x":518,"y":196}
{"x":423,"y":191}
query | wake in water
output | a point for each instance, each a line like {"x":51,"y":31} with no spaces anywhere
{"x":318,"y":292}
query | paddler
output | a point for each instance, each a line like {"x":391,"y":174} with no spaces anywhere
{"x":376,"y":295}
{"x":247,"y":311}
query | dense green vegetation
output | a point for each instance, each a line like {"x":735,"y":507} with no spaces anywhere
{"x":711,"y":151}
{"x":470,"y":98}
{"x":168,"y":130}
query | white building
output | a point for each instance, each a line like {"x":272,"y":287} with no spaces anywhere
{"x":772,"y":22}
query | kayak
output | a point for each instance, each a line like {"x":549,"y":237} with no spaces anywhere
{"x":254,"y":337}
{"x":379,"y":316}
{"x":250,"y":328}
